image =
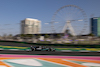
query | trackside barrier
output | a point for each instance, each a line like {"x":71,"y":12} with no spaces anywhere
{"x":67,"y":45}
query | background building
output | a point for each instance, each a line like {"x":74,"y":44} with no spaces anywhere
{"x":30,"y":26}
{"x":95,"y":26}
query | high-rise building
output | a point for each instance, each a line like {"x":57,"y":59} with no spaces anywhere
{"x":30,"y":26}
{"x":95,"y":26}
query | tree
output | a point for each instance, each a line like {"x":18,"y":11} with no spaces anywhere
{"x":4,"y":36}
{"x":10,"y":36}
{"x":29,"y":35}
{"x":58,"y":36}
{"x":70,"y":35}
{"x":22,"y":35}
{"x":67,"y":31}
{"x":91,"y":34}
{"x":38,"y":36}
{"x":46,"y":36}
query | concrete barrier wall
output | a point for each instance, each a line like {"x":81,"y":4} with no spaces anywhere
{"x":67,"y":45}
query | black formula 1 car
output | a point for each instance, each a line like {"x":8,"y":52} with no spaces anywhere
{"x":40,"y":48}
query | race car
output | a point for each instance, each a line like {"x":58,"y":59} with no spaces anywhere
{"x":40,"y":48}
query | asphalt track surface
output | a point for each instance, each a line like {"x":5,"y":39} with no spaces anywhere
{"x":50,"y":53}
{"x":43,"y":52}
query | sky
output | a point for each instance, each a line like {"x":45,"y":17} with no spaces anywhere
{"x":13,"y":11}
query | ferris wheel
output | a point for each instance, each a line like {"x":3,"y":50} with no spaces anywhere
{"x":69,"y":17}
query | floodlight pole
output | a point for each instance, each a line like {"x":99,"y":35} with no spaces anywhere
{"x":32,"y":32}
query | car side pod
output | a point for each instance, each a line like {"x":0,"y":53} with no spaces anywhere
{"x":28,"y":50}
